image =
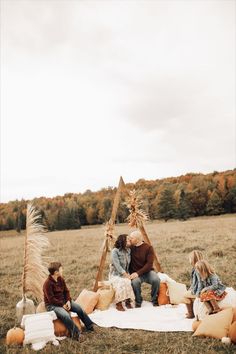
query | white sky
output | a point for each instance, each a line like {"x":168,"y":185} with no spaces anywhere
{"x":91,"y":90}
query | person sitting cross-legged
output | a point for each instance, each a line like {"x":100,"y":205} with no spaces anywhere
{"x":141,"y":268}
{"x":57,"y":298}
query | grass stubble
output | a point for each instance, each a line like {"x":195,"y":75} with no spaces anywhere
{"x":79,"y":251}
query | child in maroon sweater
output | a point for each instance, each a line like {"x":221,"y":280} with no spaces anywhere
{"x":57,"y":298}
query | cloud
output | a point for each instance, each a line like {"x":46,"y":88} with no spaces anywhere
{"x":143,"y":89}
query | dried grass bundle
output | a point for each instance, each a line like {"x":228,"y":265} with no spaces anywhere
{"x":35,"y":269}
{"x":137,"y":216}
{"x":109,"y":235}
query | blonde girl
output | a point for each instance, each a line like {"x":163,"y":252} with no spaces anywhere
{"x":194,"y":289}
{"x":211,"y":287}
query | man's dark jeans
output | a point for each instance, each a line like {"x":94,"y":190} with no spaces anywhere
{"x":64,"y":316}
{"x":150,"y":278}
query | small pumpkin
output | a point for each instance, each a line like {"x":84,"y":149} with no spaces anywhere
{"x":15,"y":335}
{"x":232,"y":332}
{"x":195,"y":325}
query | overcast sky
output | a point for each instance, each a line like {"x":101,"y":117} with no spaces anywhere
{"x":91,"y":90}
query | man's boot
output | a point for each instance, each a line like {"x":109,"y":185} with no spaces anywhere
{"x":215,"y":306}
{"x":119,"y":306}
{"x":128,"y":304}
{"x":190,"y":313}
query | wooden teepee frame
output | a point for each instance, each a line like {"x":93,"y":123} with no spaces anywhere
{"x":109,"y":231}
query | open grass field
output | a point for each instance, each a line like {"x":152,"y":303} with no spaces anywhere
{"x":79,"y":251}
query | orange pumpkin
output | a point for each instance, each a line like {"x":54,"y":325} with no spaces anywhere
{"x":15,"y":336}
{"x":232,"y":332}
{"x":195,"y":325}
{"x":61,"y":330}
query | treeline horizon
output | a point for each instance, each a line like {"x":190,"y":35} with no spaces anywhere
{"x":182,"y":197}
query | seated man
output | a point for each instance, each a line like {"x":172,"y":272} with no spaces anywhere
{"x":141,"y":268}
{"x":57,"y":298}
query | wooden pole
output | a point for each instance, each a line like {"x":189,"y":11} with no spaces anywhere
{"x":156,"y":262}
{"x":117,"y":200}
{"x":111,"y":222}
{"x":101,"y":265}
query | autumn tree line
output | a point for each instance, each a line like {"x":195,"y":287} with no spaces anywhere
{"x":180,"y":197}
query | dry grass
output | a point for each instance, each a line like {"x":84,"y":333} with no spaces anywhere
{"x":80,"y":250}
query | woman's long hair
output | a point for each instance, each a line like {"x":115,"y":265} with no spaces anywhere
{"x":121,"y":242}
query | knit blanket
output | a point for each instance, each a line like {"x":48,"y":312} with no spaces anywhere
{"x":165,"y":318}
{"x":39,"y":329}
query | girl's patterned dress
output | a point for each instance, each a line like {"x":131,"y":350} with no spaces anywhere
{"x":214,"y":289}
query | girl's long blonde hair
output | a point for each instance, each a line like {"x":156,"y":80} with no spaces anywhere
{"x":204,"y":269}
{"x":194,"y":257}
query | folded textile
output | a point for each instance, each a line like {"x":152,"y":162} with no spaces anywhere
{"x":165,"y":278}
{"x":39,"y":328}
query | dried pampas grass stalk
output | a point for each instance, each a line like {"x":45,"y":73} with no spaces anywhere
{"x":137,"y":216}
{"x":109,"y":236}
{"x":36,"y":242}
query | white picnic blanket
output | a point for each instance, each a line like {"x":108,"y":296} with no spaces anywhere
{"x":165,"y":318}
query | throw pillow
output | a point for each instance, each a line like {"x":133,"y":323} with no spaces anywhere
{"x":215,"y":326}
{"x":195,"y":325}
{"x":104,"y":284}
{"x":176,"y":292}
{"x":41,"y":307}
{"x":232,"y":332}
{"x":199,"y":308}
{"x":163,"y":298}
{"x":234,"y":312}
{"x":87,"y":300}
{"x":60,"y":329}
{"x":105,"y":298}
{"x":38,"y":327}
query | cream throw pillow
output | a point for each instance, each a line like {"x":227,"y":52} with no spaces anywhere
{"x":87,"y":300}
{"x":217,"y":325}
{"x":176,"y":292}
{"x":41,"y":307}
{"x":232,"y":332}
{"x":105,"y":298}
